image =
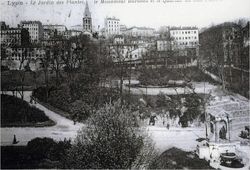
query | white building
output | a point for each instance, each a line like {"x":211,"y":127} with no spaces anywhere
{"x":35,"y":29}
{"x":112,"y":26}
{"x":123,"y":29}
{"x":140,"y":32}
{"x":118,"y":39}
{"x":185,"y":37}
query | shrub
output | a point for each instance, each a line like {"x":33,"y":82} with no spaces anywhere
{"x":15,"y":110}
{"x":110,"y":140}
{"x":47,"y":148}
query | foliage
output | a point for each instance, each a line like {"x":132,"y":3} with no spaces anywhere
{"x":47,"y":148}
{"x":110,"y":140}
{"x":177,"y":159}
{"x":161,"y":76}
{"x":192,"y":103}
{"x":40,"y":153}
{"x":15,"y":110}
{"x":80,"y":105}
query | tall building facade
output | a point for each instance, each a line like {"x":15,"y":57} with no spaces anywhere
{"x":13,"y":36}
{"x":60,"y":29}
{"x":185,"y":37}
{"x":87,"y":20}
{"x":112,"y":26}
{"x":35,"y":29}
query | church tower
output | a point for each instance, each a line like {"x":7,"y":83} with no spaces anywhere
{"x":87,"y":20}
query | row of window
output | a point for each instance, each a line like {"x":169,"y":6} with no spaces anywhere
{"x":32,"y":29}
{"x":11,"y":36}
{"x":113,"y":22}
{"x":187,"y":43}
{"x":130,"y":56}
{"x":185,"y":38}
{"x":20,"y":58}
{"x":184,"y":32}
{"x":113,"y":25}
{"x":115,"y":30}
{"x":30,"y":25}
{"x":11,"y":32}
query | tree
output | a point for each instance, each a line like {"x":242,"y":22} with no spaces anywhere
{"x":46,"y":60}
{"x":57,"y":61}
{"x":110,"y":140}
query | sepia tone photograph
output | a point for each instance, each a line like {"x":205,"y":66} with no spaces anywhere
{"x":125,"y":84}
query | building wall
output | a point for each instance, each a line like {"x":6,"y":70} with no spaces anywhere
{"x":163,"y":45}
{"x":112,"y":26}
{"x":126,"y":52}
{"x":11,"y":36}
{"x":184,"y":38}
{"x":60,"y":29}
{"x":14,"y":36}
{"x":87,"y":24}
{"x":140,"y":31}
{"x":35,"y":30}
{"x":19,"y":53}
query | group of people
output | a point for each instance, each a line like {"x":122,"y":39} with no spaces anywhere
{"x":153,"y":119}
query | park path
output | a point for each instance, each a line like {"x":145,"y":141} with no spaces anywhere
{"x":64,"y":128}
{"x":199,"y":87}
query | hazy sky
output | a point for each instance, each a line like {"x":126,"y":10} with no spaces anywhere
{"x":199,"y":13}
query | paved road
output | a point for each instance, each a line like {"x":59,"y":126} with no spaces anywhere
{"x":64,"y":128}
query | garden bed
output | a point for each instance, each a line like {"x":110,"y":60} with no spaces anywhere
{"x":16,"y":112}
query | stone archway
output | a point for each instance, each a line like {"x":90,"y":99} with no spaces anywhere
{"x":223,"y":129}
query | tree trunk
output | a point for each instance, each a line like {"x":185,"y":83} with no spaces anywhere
{"x":121,"y":83}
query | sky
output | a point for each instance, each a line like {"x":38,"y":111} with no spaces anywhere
{"x":200,"y":13}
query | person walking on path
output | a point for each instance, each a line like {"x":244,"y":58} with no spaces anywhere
{"x":14,"y":140}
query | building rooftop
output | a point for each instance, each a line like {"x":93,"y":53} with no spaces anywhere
{"x":112,"y":18}
{"x":183,"y":28}
{"x":31,"y":22}
{"x":141,"y":28}
{"x":54,"y":25}
{"x":86,"y":11}
{"x":118,"y":36}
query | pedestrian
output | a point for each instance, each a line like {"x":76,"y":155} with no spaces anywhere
{"x":152,"y":120}
{"x":168,"y":126}
{"x":14,"y":140}
{"x":31,"y":100}
{"x":163,"y":119}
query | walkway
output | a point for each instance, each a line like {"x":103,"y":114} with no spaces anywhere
{"x":64,"y":128}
